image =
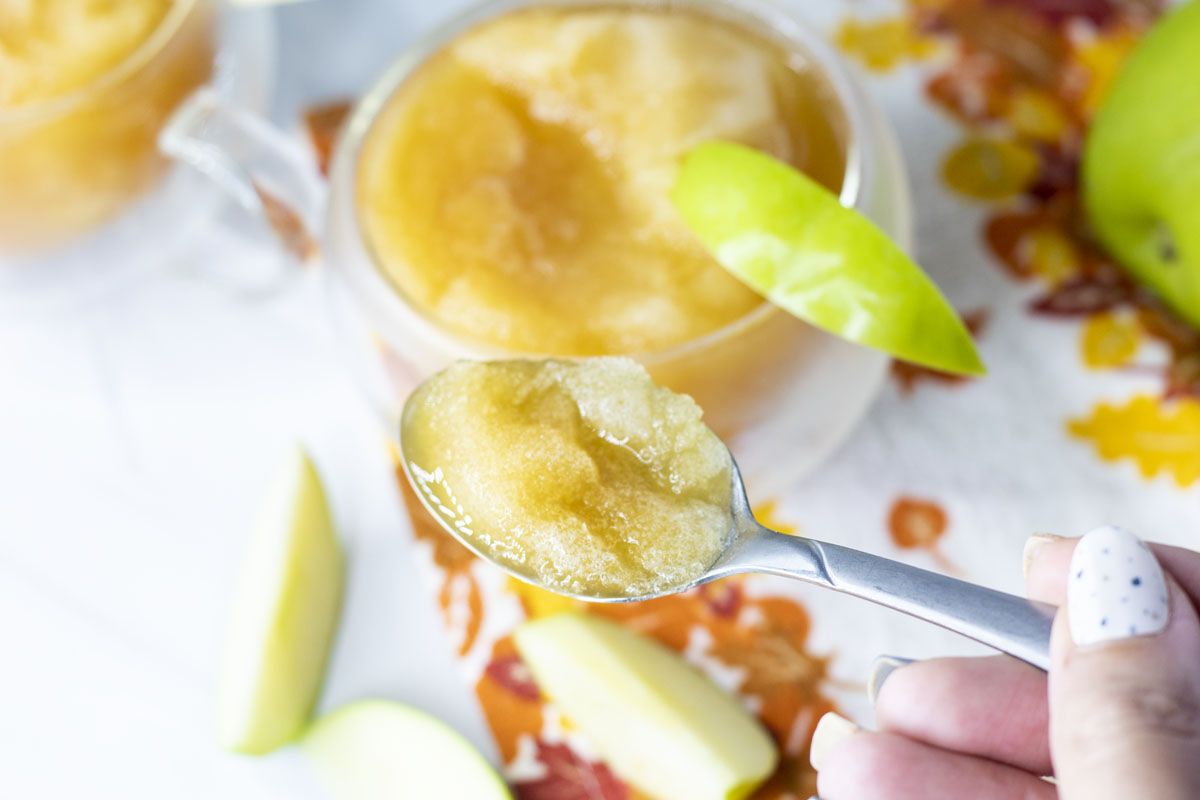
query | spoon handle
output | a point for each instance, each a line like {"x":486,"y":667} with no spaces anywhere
{"x":1011,"y":624}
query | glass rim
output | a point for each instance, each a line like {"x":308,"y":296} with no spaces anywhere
{"x":137,"y":58}
{"x":763,"y":16}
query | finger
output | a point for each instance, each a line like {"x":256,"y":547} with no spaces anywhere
{"x":992,"y":707}
{"x":1048,"y":558}
{"x":1124,"y":686}
{"x":886,"y":766}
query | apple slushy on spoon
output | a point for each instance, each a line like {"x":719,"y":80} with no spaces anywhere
{"x":587,"y":479}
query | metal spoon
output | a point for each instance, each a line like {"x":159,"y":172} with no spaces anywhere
{"x":1011,"y":624}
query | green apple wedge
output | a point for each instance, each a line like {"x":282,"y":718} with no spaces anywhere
{"x":655,"y":720}
{"x":1141,"y":163}
{"x":788,"y":238}
{"x":284,"y":616}
{"x":381,"y":750}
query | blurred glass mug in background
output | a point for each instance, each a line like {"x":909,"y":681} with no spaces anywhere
{"x":85,"y":89}
{"x":781,"y":393}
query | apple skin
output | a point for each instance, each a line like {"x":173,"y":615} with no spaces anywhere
{"x":791,"y":240}
{"x":653,"y":718}
{"x":284,"y":616}
{"x":382,"y":750}
{"x":1141,"y":163}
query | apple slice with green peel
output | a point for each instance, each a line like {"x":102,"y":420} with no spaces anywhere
{"x":381,"y":750}
{"x":1141,"y":162}
{"x":788,"y":238}
{"x":655,"y":720}
{"x":284,"y":616}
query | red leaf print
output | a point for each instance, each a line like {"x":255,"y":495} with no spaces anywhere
{"x":569,"y":777}
{"x":972,"y":90}
{"x":723,"y":598}
{"x":1162,"y":324}
{"x":1003,"y":234}
{"x":1059,"y":173}
{"x":511,"y":673}
{"x":1083,"y":296}
{"x":1183,"y":376}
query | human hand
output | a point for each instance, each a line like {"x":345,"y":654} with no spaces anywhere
{"x":1117,"y":717}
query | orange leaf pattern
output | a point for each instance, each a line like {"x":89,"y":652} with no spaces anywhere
{"x":1023,"y":80}
{"x":324,"y":123}
{"x":455,"y":562}
{"x":919,"y":524}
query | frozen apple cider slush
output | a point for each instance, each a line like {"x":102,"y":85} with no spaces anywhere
{"x":513,"y":192}
{"x":84,"y":89}
{"x":582,"y":476}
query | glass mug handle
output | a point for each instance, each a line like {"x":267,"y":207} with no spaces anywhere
{"x":266,"y":175}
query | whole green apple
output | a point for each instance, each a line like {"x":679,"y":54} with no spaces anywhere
{"x":1141,"y":163}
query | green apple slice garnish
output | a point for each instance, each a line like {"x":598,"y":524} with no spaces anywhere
{"x":284,"y":616}
{"x":655,"y":720}
{"x":381,"y":750}
{"x":789,"y":239}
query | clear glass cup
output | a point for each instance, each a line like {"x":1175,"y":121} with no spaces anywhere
{"x":782,"y":394}
{"x":69,"y":164}
{"x":86,"y":194}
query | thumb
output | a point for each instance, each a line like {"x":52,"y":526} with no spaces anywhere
{"x":1125,"y":677}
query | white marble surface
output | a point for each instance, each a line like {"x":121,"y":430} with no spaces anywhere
{"x":137,"y":435}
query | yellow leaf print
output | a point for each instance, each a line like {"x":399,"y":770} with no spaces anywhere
{"x":768,"y":514}
{"x":539,"y":602}
{"x":1160,"y":436}
{"x":1050,"y":254}
{"x":1101,"y":58}
{"x":990,"y":169}
{"x":1038,"y":114}
{"x":1109,"y":340}
{"x":882,"y":44}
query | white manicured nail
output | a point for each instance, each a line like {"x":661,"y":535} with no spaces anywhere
{"x":831,"y":729}
{"x":1115,"y":589}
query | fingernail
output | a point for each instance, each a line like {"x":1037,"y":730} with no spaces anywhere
{"x":1032,"y":545}
{"x":831,"y":729}
{"x":881,"y":670}
{"x":1115,"y":588}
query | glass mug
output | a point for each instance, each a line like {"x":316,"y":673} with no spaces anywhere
{"x":781,"y":394}
{"x":82,"y":180}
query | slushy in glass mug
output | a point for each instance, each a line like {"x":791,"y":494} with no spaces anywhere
{"x":88,"y":200}
{"x":84,"y":90}
{"x":490,"y":145}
